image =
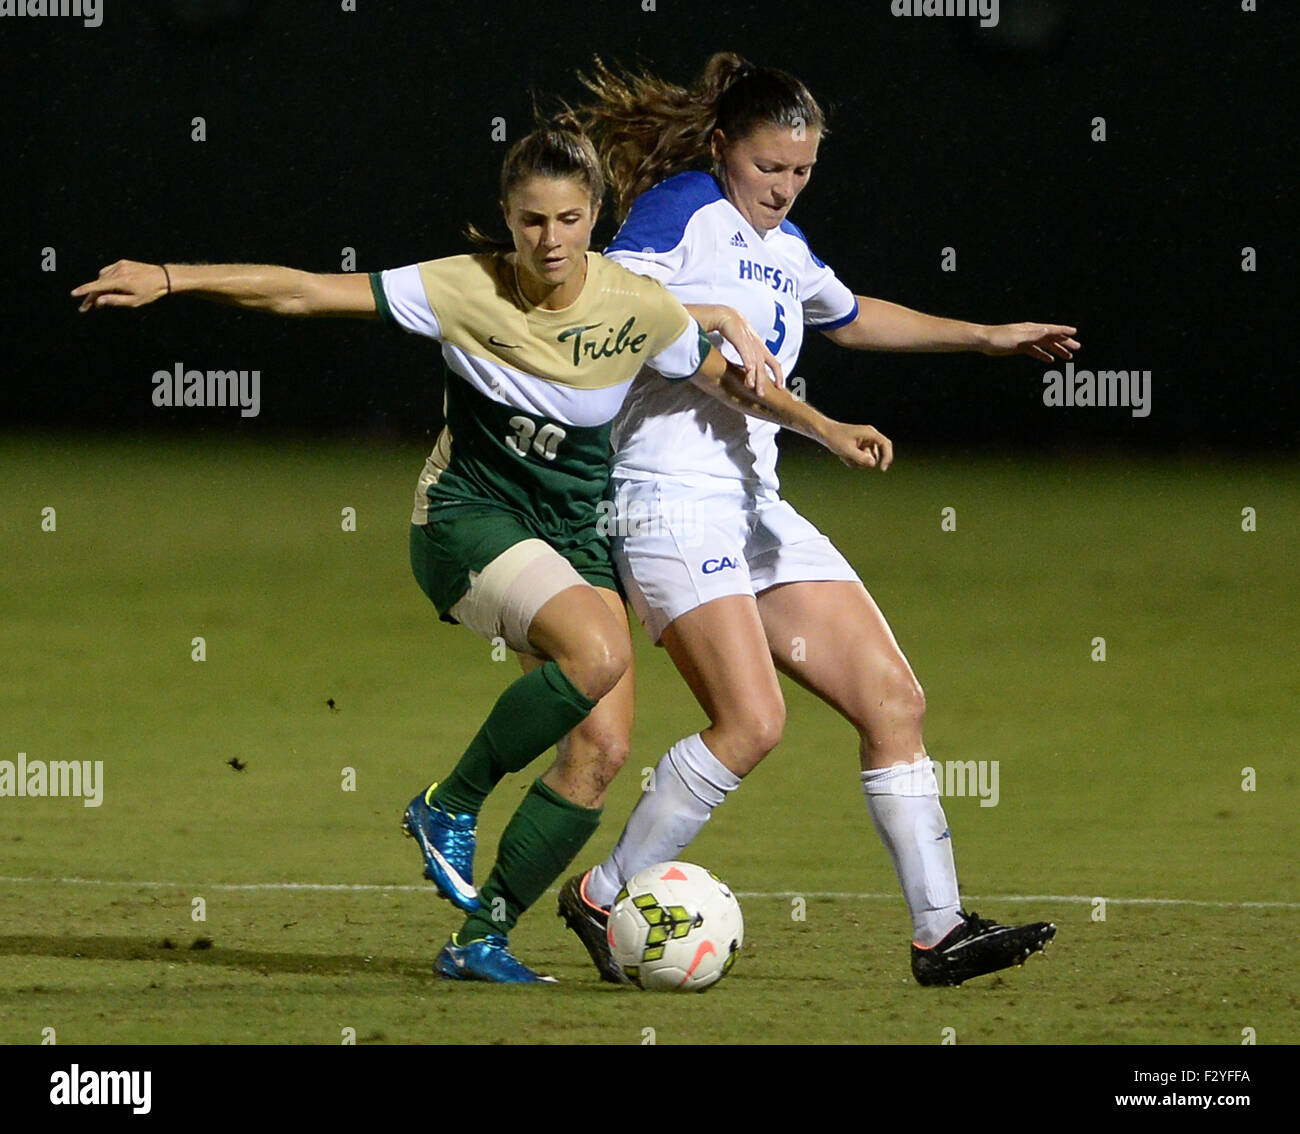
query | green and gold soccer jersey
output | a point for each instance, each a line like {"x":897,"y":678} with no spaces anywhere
{"x":530,"y":397}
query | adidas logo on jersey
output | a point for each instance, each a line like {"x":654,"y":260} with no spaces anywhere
{"x":738,"y":241}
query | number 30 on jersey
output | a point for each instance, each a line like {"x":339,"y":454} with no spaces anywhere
{"x":544,"y":442}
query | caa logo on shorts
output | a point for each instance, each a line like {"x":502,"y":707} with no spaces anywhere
{"x":713,"y":566}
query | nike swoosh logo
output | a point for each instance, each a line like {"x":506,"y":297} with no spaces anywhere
{"x":497,"y":342}
{"x":706,"y":947}
{"x":458,"y":883}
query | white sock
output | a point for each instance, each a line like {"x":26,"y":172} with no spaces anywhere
{"x":903,"y":801}
{"x":688,"y":784}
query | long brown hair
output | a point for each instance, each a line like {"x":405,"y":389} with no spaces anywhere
{"x":646,"y":128}
{"x":556,"y":148}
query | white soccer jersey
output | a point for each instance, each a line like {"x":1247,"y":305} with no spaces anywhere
{"x":686,"y":234}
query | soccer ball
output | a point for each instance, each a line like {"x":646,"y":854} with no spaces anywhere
{"x":676,"y":927}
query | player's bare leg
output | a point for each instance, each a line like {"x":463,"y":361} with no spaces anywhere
{"x":720,"y":650}
{"x":847,"y":655}
{"x":589,"y":757}
{"x":833,"y":640}
{"x":587,"y":760}
{"x":584,"y":631}
{"x":585,"y":650}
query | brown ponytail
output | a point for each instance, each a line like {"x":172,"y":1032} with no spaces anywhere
{"x":647,"y":129}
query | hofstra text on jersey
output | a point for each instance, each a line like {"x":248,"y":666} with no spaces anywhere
{"x":776,"y":279}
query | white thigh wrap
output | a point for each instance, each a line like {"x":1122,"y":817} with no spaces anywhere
{"x":504,"y":598}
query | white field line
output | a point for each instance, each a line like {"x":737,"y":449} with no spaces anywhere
{"x":843,"y":895}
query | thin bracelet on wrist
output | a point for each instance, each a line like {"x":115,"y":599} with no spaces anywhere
{"x":168,"y":277}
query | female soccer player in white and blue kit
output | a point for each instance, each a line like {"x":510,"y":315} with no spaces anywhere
{"x":723,"y":572}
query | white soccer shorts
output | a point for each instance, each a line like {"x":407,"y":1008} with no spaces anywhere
{"x":678,"y":547}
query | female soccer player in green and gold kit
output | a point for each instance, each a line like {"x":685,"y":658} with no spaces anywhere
{"x":542,"y":343}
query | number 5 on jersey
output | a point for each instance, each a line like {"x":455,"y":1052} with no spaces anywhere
{"x":778,"y":330}
{"x":544,"y":443}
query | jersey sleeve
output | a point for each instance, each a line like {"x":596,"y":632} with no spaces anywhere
{"x":680,"y":347}
{"x":684,"y":355}
{"x":401,"y":298}
{"x":834,"y":305}
{"x":827,"y":303}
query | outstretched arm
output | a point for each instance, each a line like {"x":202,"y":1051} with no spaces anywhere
{"x":858,"y":446}
{"x":881,"y":325}
{"x":262,"y":287}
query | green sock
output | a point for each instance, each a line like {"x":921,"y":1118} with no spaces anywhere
{"x":531,"y":715}
{"x":540,"y":840}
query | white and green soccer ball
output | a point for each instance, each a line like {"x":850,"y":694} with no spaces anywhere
{"x":675,"y":927}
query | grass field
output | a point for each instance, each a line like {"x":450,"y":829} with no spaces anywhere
{"x":1120,"y":779}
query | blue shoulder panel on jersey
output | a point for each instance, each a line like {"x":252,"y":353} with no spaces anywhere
{"x":794,"y":230}
{"x":659,"y":216}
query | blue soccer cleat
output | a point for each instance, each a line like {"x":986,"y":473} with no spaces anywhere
{"x":447,"y":844}
{"x":488,"y":959}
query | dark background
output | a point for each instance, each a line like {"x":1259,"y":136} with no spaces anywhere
{"x":372,"y":129}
